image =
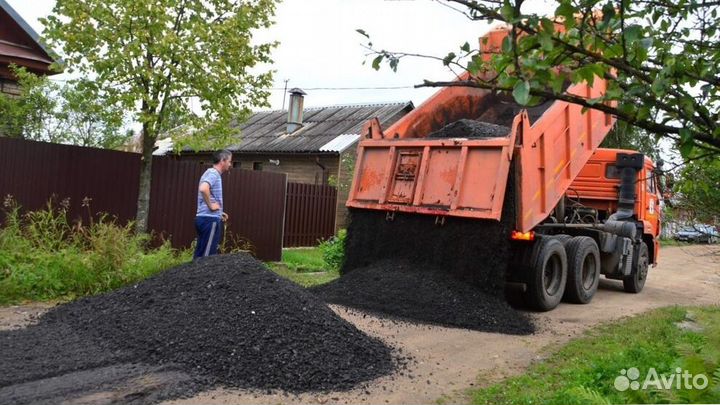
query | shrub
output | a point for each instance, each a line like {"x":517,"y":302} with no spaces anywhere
{"x":333,"y":250}
{"x":43,"y":256}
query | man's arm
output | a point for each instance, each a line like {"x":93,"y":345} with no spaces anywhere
{"x":205,"y":192}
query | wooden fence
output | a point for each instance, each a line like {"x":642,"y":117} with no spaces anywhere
{"x":262,"y":206}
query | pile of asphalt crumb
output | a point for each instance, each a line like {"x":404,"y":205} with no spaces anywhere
{"x":449,"y":272}
{"x":465,"y":128}
{"x":235,"y":323}
{"x":50,"y":349}
{"x":427,"y":294}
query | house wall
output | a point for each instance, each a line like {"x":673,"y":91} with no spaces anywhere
{"x":301,"y":168}
{"x":9,"y":87}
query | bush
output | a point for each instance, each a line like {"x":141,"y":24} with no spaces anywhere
{"x":43,"y":256}
{"x":333,"y":250}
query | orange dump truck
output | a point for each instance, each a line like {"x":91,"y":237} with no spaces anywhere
{"x":579,"y":211}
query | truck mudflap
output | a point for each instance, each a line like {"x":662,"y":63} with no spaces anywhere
{"x":450,"y":176}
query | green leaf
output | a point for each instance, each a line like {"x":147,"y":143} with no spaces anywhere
{"x":475,"y":64}
{"x":465,"y":47}
{"x":566,"y":9}
{"x":377,"y":61}
{"x":632,"y":33}
{"x":507,"y":11}
{"x":547,"y":25}
{"x":507,"y":44}
{"x":546,"y":42}
{"x":363,"y":33}
{"x":521,"y":92}
{"x":449,"y":58}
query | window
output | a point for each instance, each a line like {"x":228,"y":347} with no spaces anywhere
{"x":257,"y":165}
{"x":236,"y":164}
{"x":611,"y":172}
{"x":651,"y":184}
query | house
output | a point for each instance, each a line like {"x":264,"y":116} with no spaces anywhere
{"x":20,"y":45}
{"x":312,"y":145}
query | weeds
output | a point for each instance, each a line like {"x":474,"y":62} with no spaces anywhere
{"x":43,"y":256}
{"x":333,"y":250}
{"x":585,"y":370}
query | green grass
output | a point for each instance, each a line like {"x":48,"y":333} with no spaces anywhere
{"x":43,"y":257}
{"x":304,"y":260}
{"x":304,"y":266}
{"x":671,"y":242}
{"x":584,"y":370}
{"x":302,"y":278}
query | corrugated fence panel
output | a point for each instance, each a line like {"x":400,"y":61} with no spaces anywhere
{"x":33,"y":172}
{"x":310,"y":214}
{"x":254,"y":201}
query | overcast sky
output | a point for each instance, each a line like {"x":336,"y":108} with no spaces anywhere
{"x":319,"y":47}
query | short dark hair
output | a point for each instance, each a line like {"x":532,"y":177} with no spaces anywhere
{"x":221,"y":155}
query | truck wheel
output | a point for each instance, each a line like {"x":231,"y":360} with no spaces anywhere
{"x":635,"y":282}
{"x":563,"y":238}
{"x":548,"y":274}
{"x":583,"y":276}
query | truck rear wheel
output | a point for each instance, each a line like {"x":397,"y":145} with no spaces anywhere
{"x":635,"y":282}
{"x":548,"y":274}
{"x":583,"y":269}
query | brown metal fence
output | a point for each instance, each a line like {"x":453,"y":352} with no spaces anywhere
{"x":254,"y":201}
{"x":32,"y":172}
{"x":261,"y":205}
{"x":310,"y":214}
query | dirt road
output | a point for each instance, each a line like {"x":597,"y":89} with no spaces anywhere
{"x":449,"y":361}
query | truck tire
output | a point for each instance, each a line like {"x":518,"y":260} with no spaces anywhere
{"x":548,"y":274}
{"x":635,"y":282}
{"x":583,"y":276}
{"x":563,"y":238}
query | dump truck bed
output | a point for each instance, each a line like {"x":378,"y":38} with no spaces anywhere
{"x":402,"y":169}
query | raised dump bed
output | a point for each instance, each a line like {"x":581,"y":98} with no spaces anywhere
{"x":437,"y":161}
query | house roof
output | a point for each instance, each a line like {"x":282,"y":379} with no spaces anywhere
{"x":20,"y":44}
{"x":325,"y":129}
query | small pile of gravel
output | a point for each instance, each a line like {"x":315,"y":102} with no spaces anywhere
{"x":426,"y":294}
{"x":225,"y":318}
{"x":465,"y":128}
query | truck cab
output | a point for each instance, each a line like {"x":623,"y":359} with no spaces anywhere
{"x":596,"y":187}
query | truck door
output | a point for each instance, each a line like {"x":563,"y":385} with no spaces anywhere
{"x":651,"y":210}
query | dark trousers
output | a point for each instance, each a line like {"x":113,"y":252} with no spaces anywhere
{"x":209,"y":230}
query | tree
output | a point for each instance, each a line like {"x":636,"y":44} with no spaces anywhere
{"x":150,"y":55}
{"x":626,"y":136}
{"x":61,"y":113}
{"x":698,"y":190}
{"x":29,"y":114}
{"x":87,"y":120}
{"x":660,"y":57}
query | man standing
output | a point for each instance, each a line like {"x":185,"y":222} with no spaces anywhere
{"x":210,"y":215}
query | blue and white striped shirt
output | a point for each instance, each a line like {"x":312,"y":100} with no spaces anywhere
{"x":211,"y":177}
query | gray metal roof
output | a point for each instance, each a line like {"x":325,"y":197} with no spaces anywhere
{"x":266,"y":131}
{"x":340,"y":143}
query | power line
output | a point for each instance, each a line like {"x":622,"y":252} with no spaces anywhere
{"x":405,"y":87}
{"x":349,"y":88}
